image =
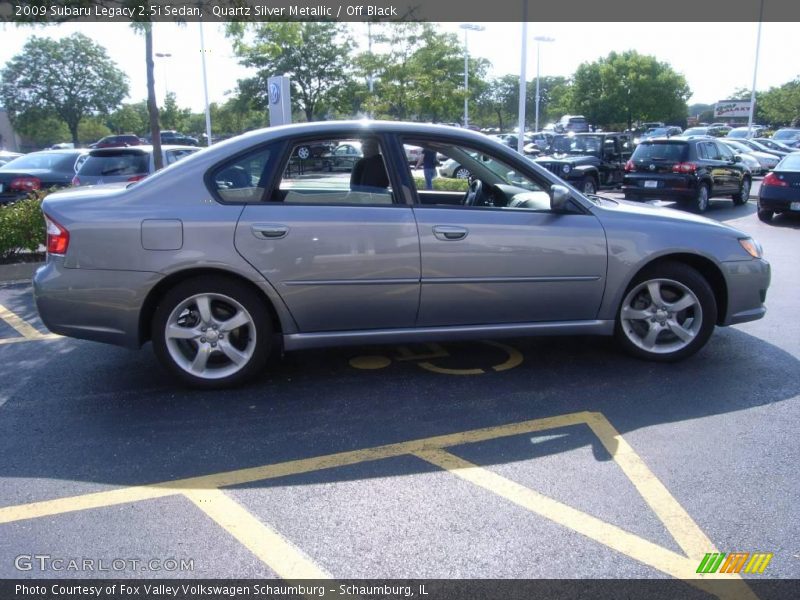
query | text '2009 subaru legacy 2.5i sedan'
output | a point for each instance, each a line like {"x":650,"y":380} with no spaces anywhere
{"x":245,"y":243}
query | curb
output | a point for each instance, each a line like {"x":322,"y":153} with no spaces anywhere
{"x":16,"y":272}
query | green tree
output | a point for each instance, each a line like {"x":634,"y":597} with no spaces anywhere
{"x":315,"y":56}
{"x":629,"y":87}
{"x":71,"y":78}
{"x":92,"y":129}
{"x":129,"y":118}
{"x":41,"y":129}
{"x":172,"y":116}
{"x":780,"y":105}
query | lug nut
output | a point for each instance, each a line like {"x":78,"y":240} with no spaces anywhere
{"x":203,"y":328}
{"x":213,"y":344}
{"x":202,"y":339}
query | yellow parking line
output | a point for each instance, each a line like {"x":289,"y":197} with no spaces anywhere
{"x":22,"y":327}
{"x":40,"y":338}
{"x":283,"y":557}
{"x":687,"y":534}
{"x":34,"y":510}
{"x":614,"y":537}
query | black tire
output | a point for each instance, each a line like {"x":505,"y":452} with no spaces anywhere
{"x":669,"y":273}
{"x":744,"y":193}
{"x":253,"y":339}
{"x":589,"y":185}
{"x":702,"y":199}
{"x":765,"y":215}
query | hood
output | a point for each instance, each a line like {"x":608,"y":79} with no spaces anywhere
{"x":650,"y":211}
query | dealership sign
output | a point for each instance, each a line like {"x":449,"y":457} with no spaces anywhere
{"x":732,"y":108}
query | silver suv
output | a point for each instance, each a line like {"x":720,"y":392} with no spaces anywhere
{"x":574,"y":123}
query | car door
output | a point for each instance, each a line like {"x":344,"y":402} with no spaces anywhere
{"x":340,"y":259}
{"x":733,"y":170}
{"x":718,"y":168}
{"x":484,"y":264}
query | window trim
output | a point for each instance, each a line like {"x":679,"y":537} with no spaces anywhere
{"x":209,"y":181}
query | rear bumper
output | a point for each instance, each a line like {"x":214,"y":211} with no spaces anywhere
{"x":778,"y":199}
{"x":748,"y":281}
{"x":90,"y":304}
{"x":668,"y":187}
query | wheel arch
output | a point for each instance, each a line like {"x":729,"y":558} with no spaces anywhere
{"x":705,"y":266}
{"x":162,"y":287}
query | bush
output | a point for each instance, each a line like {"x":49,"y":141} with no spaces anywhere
{"x":22,"y":226}
{"x":444,"y":184}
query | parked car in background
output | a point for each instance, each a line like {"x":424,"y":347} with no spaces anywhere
{"x":574,"y":123}
{"x":452,"y":168}
{"x":654,"y":132}
{"x":689,"y":170}
{"x":745,"y":132}
{"x":789,"y":136}
{"x":113,"y":165}
{"x":511,"y":140}
{"x":540,"y":142}
{"x":170,"y":136}
{"x":36,"y":171}
{"x":6,"y":157}
{"x":589,"y":161}
{"x":344,"y":156}
{"x":696,"y":132}
{"x":117,"y":141}
{"x":765,"y":160}
{"x":313,"y":150}
{"x":780,"y":189}
{"x":773,"y":145}
{"x":758,"y":147}
{"x":305,"y":260}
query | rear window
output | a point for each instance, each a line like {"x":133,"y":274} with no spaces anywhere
{"x":666,"y":151}
{"x":43,"y":160}
{"x":790,"y":163}
{"x":118,"y":163}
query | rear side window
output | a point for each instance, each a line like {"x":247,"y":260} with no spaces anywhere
{"x":118,"y":163}
{"x":242,"y":179}
{"x":666,"y":151}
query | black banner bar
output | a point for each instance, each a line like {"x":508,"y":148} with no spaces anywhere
{"x":396,"y":589}
{"x":397,"y":10}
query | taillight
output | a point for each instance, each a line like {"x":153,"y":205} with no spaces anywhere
{"x":25,"y":184}
{"x":137,"y":177}
{"x":684,"y":167}
{"x":75,"y":181}
{"x":774,"y":180}
{"x":630,"y":166}
{"x":57,"y":237}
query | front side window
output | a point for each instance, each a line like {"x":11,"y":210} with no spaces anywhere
{"x":335,"y":171}
{"x":472,"y":178}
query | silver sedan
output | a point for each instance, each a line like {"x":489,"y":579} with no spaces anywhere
{"x":242,"y":247}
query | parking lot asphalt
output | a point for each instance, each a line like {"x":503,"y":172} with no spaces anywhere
{"x":525,"y":458}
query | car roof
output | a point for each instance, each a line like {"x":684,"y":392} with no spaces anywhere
{"x":141,"y":149}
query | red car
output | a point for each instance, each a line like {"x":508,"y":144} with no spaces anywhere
{"x":117,"y":141}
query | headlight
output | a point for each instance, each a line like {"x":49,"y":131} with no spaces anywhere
{"x":565,"y":169}
{"x":752,"y":247}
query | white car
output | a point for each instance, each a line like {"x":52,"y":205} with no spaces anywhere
{"x":765,"y":160}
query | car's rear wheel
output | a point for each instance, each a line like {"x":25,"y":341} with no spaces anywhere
{"x":212,"y":332}
{"x":744,"y":192}
{"x":667,"y":314}
{"x":765,"y":215}
{"x":462,"y":173}
{"x":303,"y":152}
{"x":701,"y":199}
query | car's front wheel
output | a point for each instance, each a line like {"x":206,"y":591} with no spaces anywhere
{"x":212,"y":332}
{"x":667,"y":314}
{"x":462,"y":173}
{"x":588,"y":185}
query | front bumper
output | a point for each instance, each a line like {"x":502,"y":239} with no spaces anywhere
{"x":748,"y":281}
{"x":92,"y":304}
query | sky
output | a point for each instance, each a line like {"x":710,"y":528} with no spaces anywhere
{"x":715,"y":58}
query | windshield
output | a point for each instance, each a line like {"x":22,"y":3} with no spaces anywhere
{"x":696,"y":131}
{"x":790,"y":163}
{"x":577,"y":144}
{"x":786,"y":134}
{"x":42,"y":160}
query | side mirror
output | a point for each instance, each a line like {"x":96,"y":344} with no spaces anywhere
{"x":559,"y":198}
{"x":737,"y":158}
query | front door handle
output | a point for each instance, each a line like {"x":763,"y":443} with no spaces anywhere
{"x":450,"y":233}
{"x":269,"y":231}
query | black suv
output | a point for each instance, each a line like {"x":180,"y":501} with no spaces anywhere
{"x":686,"y":169}
{"x":589,"y":161}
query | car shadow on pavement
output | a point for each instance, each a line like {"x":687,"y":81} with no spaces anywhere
{"x":81,"y":412}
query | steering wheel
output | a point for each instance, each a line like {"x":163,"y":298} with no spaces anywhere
{"x":474,"y":195}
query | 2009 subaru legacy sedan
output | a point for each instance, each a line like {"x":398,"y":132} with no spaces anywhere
{"x":246,"y":243}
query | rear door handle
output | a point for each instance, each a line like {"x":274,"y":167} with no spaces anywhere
{"x":450,"y":233}
{"x":269,"y":231}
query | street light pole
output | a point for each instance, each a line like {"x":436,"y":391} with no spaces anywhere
{"x":164,"y":75}
{"x":755,"y":72}
{"x":205,"y":85}
{"x":467,"y":27}
{"x":522,"y":79}
{"x":539,"y":39}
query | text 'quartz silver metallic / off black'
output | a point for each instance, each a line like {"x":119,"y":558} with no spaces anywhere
{"x":251,"y":242}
